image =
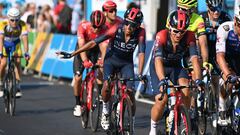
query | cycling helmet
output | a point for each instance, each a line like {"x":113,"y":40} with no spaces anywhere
{"x":13,"y":13}
{"x":109,"y":5}
{"x":188,"y":4}
{"x":134,"y":15}
{"x":214,"y":3}
{"x":97,"y":19}
{"x":179,"y":20}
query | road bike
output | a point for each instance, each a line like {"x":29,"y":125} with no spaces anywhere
{"x":121,"y":121}
{"x":90,"y":96}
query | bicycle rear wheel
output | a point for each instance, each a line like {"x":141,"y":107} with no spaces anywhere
{"x":183,"y":121}
{"x":212,"y":109}
{"x":127,"y":119}
{"x":96,"y":107}
{"x":10,"y":91}
{"x":85,"y":111}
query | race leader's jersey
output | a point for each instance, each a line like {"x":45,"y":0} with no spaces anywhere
{"x":229,"y":43}
{"x":163,"y":48}
{"x":13,"y":34}
{"x":196,"y":24}
{"x":211,"y":32}
{"x":119,"y":47}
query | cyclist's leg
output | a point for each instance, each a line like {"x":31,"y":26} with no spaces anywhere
{"x":158,"y":107}
{"x":3,"y":63}
{"x":77,"y":69}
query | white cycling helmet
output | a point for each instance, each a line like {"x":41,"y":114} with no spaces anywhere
{"x":237,"y":9}
{"x":13,"y":13}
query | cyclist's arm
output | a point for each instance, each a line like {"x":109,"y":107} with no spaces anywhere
{"x":221,"y":49}
{"x":158,"y":61}
{"x":1,"y":42}
{"x":25,"y":43}
{"x":203,"y":46}
{"x":83,"y":55}
{"x":141,"y":51}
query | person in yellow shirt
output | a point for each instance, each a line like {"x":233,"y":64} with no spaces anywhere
{"x":11,"y":30}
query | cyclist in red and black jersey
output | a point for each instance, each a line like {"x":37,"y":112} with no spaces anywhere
{"x":87,"y":31}
{"x":124,"y":38}
{"x":169,"y":48}
{"x":110,"y":10}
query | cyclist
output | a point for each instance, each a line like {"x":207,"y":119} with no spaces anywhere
{"x":110,"y":10}
{"x":124,"y":38}
{"x":213,"y":17}
{"x":10,"y":32}
{"x":87,"y":31}
{"x":196,"y":25}
{"x":228,"y":54}
{"x":170,"y":47}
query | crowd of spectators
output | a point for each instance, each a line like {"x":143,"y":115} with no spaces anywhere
{"x":44,"y":18}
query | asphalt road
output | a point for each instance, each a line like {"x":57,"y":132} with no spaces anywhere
{"x":46,"y":109}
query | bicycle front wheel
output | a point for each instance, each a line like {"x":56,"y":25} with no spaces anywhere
{"x":127,"y":119}
{"x":183,"y":121}
{"x":10,"y":91}
{"x":84,"y":117}
{"x":95,"y":110}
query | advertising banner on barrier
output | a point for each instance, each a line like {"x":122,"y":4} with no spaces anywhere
{"x":42,"y":42}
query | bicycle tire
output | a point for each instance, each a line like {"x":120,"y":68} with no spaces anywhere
{"x":183,"y":122}
{"x":114,"y":117}
{"x":213,"y":109}
{"x":10,"y":83}
{"x":127,"y":120}
{"x":235,"y":120}
{"x":85,"y":111}
{"x":6,"y":96}
{"x":95,"y":109}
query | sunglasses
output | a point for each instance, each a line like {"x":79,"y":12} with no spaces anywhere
{"x":188,"y":11}
{"x":14,"y":20}
{"x":176,"y":31}
{"x":131,"y":24}
{"x":214,"y":9}
{"x":113,"y":10}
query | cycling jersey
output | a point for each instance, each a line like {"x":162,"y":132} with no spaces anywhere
{"x":86,"y":32}
{"x":120,"y":55}
{"x":12,"y":35}
{"x":211,"y":35}
{"x":196,"y":24}
{"x":229,"y":43}
{"x":118,"y":20}
{"x":163,"y":48}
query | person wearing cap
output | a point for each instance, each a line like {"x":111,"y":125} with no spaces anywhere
{"x":87,"y":31}
{"x":110,"y":10}
{"x":10,"y":32}
{"x":170,"y":46}
{"x":124,"y":38}
{"x":228,"y":54}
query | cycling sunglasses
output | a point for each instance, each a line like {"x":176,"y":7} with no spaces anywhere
{"x":214,"y":9}
{"x":14,"y":20}
{"x":132,"y":24}
{"x":187,"y":11}
{"x":113,"y":10}
{"x":176,"y":31}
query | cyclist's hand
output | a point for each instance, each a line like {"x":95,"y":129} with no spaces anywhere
{"x":232,"y":79}
{"x":64,"y":55}
{"x":142,"y":78}
{"x":27,"y":56}
{"x":208,"y":66}
{"x":162,"y":86}
{"x":200,"y":84}
{"x":87,"y":63}
{"x":100,"y":62}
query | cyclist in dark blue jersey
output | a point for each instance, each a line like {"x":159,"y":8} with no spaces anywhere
{"x":124,"y":38}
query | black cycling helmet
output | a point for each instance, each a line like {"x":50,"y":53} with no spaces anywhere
{"x":214,"y":3}
{"x":133,"y":15}
{"x":179,"y":20}
{"x":97,"y":19}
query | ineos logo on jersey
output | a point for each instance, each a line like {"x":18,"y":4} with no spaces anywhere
{"x":125,"y":47}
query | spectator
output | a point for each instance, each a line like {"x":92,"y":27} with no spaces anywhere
{"x":77,"y":16}
{"x":29,"y":15}
{"x":62,"y":17}
{"x":43,"y":25}
{"x":48,"y":12}
{"x":2,"y":17}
